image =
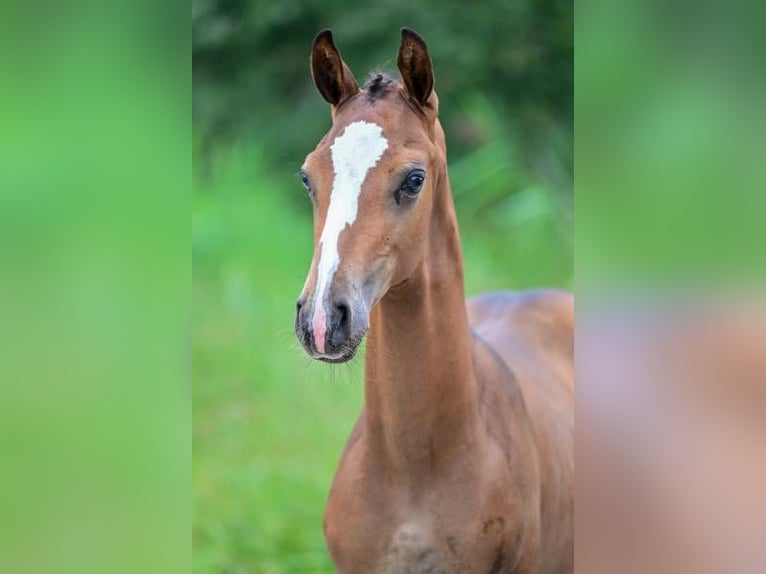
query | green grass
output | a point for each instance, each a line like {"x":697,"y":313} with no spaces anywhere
{"x":269,"y":425}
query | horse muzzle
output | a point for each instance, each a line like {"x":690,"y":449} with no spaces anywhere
{"x":330,"y":330}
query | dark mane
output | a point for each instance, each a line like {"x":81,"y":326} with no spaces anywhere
{"x":379,"y":85}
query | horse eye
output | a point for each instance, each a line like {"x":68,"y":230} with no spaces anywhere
{"x":413,"y":183}
{"x":305,"y":181}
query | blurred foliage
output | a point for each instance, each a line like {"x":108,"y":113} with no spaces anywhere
{"x":94,"y":290}
{"x":670,"y":146}
{"x":269,"y":425}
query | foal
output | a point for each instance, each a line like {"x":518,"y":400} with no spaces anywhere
{"x":462,"y":458}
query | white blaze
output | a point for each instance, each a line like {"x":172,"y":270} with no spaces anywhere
{"x":354,"y":153}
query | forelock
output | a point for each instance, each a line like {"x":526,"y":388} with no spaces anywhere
{"x":379,"y":85}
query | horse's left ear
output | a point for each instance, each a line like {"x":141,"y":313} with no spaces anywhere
{"x":415,"y":66}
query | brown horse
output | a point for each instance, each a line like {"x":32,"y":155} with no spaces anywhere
{"x":462,"y":458}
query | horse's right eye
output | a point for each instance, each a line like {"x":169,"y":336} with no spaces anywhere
{"x":305,"y":181}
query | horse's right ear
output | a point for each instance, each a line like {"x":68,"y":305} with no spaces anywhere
{"x":331,"y":75}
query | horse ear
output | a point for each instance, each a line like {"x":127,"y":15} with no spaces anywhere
{"x":331,"y":75}
{"x":415,"y":66}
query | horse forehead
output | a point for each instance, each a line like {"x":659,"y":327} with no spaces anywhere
{"x":359,"y":142}
{"x":356,"y":148}
{"x":349,"y":143}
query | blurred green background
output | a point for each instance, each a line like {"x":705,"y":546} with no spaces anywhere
{"x":269,"y":425}
{"x":670,"y":147}
{"x":95,"y":279}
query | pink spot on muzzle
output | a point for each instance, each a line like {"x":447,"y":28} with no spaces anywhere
{"x":319,"y":326}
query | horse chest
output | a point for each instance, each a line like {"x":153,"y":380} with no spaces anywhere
{"x":411,"y":548}
{"x":421,"y":541}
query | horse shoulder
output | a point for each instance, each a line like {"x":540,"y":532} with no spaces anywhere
{"x":532,"y":333}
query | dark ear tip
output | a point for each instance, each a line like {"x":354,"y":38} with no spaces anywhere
{"x":323,"y":37}
{"x":409,"y":35}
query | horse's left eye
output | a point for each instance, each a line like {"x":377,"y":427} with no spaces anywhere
{"x":413,"y":183}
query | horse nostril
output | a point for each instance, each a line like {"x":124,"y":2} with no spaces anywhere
{"x":342,"y":315}
{"x":300,"y":322}
{"x":341,"y":322}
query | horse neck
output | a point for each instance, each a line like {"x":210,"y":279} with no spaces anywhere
{"x":420,"y":398}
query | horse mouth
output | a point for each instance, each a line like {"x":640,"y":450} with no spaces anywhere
{"x":345,"y":354}
{"x":345,"y":358}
